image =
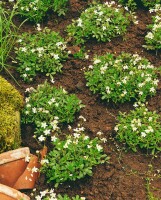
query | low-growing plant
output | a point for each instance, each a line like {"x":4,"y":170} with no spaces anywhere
{"x":47,"y":107}
{"x":36,"y":10}
{"x":153,"y":37}
{"x":100,"y":21}
{"x":40,"y":52}
{"x":132,"y":4}
{"x":51,"y":195}
{"x":73,"y":157}
{"x":140,"y":128}
{"x":122,"y":78}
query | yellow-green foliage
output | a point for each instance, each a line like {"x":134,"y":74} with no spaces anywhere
{"x":10,"y":103}
{"x":10,"y":95}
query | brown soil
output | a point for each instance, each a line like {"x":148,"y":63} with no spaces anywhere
{"x":124,"y":178}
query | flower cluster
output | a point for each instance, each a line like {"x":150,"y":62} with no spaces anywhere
{"x":140,"y":128}
{"x":40,"y":52}
{"x":132,"y":4}
{"x":51,"y":195}
{"x":101,"y":21}
{"x":122,"y":78}
{"x":153,"y":37}
{"x":36,"y":10}
{"x":73,"y":158}
{"x":47,"y":107}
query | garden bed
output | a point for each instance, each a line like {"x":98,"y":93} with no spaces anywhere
{"x":128,"y":175}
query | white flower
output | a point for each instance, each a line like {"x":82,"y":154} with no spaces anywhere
{"x":27,"y":158}
{"x":143,"y":134}
{"x":41,"y":138}
{"x":43,"y":193}
{"x":152,"y":89}
{"x":56,"y":56}
{"x":99,"y":133}
{"x":38,"y":197}
{"x":53,"y":138}
{"x":38,"y":25}
{"x":116,"y":128}
{"x":43,"y":125}
{"x":24,"y":75}
{"x":47,"y":132}
{"x":34,"y":110}
{"x":44,"y":161}
{"x":104,"y":140}
{"x":135,"y":105}
{"x":150,"y":35}
{"x":23,"y":49}
{"x":34,"y":169}
{"x":99,"y":148}
{"x":97,"y":61}
{"x":79,"y":22}
{"x":76,"y":135}
{"x":150,"y":119}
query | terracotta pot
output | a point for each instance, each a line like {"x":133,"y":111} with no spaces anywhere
{"x":8,"y":193}
{"x":16,"y":172}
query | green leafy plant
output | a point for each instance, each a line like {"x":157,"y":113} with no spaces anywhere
{"x":140,"y":128}
{"x":73,"y":157}
{"x":122,"y":78}
{"x":153,"y":37}
{"x":36,"y":10}
{"x":132,"y":4}
{"x":40,"y":52}
{"x":101,"y":21}
{"x":60,"y":7}
{"x":51,"y":195}
{"x":47,"y":107}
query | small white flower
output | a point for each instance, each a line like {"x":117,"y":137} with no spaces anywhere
{"x":116,"y":128}
{"x":43,"y":125}
{"x":99,"y":148}
{"x":27,"y":158}
{"x":47,"y":132}
{"x":56,"y":56}
{"x":53,"y":138}
{"x":34,"y":169}
{"x":104,"y":140}
{"x":97,"y":61}
{"x":34,"y":110}
{"x":143,"y":134}
{"x":44,"y":161}
{"x":152,"y":89}
{"x":41,"y":138}
{"x":99,"y":133}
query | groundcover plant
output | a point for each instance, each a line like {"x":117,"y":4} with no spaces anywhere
{"x":133,"y":169}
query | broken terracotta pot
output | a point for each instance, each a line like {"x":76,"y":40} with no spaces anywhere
{"x":8,"y":193}
{"x":19,"y":169}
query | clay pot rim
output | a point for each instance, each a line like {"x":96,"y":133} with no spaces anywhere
{"x":12,"y":193}
{"x":12,"y":155}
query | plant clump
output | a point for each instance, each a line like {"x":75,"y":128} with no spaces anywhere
{"x":73,"y":158}
{"x":140,"y":128}
{"x":51,"y":195}
{"x":36,"y":10}
{"x":10,"y":103}
{"x":122,"y":78}
{"x":102,"y":22}
{"x":153,"y":37}
{"x":41,"y":52}
{"x":132,"y":4}
{"x":47,"y":107}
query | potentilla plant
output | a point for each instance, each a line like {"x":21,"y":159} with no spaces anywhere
{"x":153,"y":37}
{"x":36,"y":10}
{"x":51,"y":195}
{"x":73,"y":157}
{"x":122,"y":78}
{"x":41,"y":52}
{"x":140,"y":128}
{"x":47,"y":107}
{"x":132,"y":4}
{"x":100,"y":21}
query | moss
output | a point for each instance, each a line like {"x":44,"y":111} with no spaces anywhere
{"x":10,"y":95}
{"x":10,"y":104}
{"x":9,"y":128}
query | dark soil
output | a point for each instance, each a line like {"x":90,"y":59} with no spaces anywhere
{"x":125,"y":177}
